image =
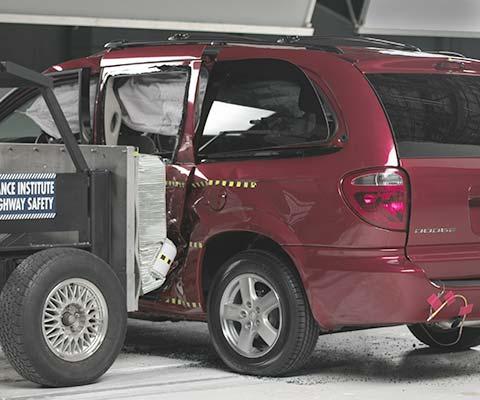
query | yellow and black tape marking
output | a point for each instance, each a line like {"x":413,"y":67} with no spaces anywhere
{"x":163,"y":257}
{"x":176,"y":184}
{"x":226,"y":183}
{"x":180,"y":302}
{"x":196,"y":245}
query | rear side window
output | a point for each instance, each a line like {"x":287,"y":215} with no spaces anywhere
{"x":256,"y":105}
{"x":432,"y":115}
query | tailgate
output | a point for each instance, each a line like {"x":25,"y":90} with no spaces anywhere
{"x":435,"y":119}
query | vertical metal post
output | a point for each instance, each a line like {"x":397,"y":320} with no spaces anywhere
{"x":100,"y":214}
{"x":310,"y":11}
{"x":363,"y":13}
{"x":84,"y":118}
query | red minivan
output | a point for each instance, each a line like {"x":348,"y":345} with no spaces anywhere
{"x":314,"y":185}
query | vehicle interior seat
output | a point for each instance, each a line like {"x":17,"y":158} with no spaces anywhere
{"x":112,"y":115}
{"x":129,"y":137}
{"x":312,"y":118}
{"x":118,"y":133}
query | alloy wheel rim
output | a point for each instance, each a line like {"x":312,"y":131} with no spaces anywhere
{"x":251,"y":315}
{"x":74,"y":319}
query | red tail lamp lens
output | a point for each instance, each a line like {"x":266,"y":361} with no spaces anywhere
{"x":379,"y":197}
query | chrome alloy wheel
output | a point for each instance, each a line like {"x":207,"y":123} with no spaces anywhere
{"x":75,"y":319}
{"x":251,"y":315}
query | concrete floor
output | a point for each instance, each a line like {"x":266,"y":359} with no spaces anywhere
{"x":176,"y":361}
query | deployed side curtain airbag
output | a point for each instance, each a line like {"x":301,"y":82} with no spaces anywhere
{"x":154,"y":103}
{"x":67,"y":96}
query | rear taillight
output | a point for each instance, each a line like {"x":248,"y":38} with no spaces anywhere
{"x":380,"y":197}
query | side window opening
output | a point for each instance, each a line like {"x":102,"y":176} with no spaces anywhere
{"x":202,"y":89}
{"x":31,"y":122}
{"x":431,"y":115}
{"x":255,"y":105}
{"x":146,"y":111}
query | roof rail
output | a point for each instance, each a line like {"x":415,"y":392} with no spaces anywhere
{"x":353,"y":41}
{"x":447,"y":53}
{"x":388,"y":43}
{"x":217,"y":37}
{"x":325,"y":43}
{"x":185,"y":37}
{"x":115,"y":44}
{"x":213,"y":40}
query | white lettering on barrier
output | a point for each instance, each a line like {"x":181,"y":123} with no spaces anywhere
{"x":36,"y":188}
{"x":39,"y":203}
{"x":27,"y":195}
{"x":12,"y":204}
{"x":7,"y":189}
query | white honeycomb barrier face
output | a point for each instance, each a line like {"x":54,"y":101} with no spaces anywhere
{"x":151,"y":222}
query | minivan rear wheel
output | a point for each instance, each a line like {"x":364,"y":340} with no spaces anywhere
{"x":258,"y":316}
{"x":439,"y":337}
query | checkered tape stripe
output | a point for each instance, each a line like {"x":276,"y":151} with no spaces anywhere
{"x":214,"y":182}
{"x":28,"y":176}
{"x":180,"y":302}
{"x":175,"y":184}
{"x":9,"y":217}
{"x":226,"y":183}
{"x":163,"y":257}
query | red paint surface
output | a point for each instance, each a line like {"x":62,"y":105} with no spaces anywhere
{"x":353,"y":272}
{"x":440,"y":198}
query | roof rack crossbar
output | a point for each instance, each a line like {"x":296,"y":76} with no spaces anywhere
{"x":447,"y":53}
{"x":325,"y":43}
{"x":124,"y":44}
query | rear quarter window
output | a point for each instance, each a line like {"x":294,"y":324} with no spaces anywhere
{"x":431,"y":115}
{"x":259,"y":108}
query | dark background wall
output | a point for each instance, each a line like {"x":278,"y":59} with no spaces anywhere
{"x":333,"y":17}
{"x":39,"y":46}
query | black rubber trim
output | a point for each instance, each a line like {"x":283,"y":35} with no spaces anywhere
{"x":458,"y":283}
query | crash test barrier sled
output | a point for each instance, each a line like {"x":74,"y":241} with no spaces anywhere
{"x":73,"y":245}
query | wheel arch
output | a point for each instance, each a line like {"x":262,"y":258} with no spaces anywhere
{"x":222,"y":246}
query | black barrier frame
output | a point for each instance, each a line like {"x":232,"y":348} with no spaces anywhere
{"x":12,"y":74}
{"x":91,"y":210}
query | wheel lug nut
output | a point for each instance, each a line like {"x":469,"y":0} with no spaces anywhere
{"x":257,"y":309}
{"x":248,"y":325}
{"x":243,"y":313}
{"x":257,"y":322}
{"x":249,"y":304}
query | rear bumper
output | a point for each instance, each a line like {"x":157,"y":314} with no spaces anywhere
{"x":350,"y":287}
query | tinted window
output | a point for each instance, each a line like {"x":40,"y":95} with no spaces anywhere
{"x":432,"y":115}
{"x":255,"y":105}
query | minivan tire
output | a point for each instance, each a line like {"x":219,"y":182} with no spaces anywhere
{"x":441,"y":338}
{"x":88,"y":294}
{"x":297,"y":331}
